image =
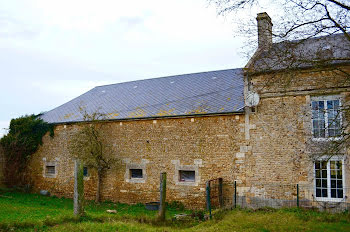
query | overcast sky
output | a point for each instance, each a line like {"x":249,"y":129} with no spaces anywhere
{"x":52,"y":51}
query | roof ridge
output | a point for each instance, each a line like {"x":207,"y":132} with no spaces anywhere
{"x":153,"y":78}
{"x":308,"y":39}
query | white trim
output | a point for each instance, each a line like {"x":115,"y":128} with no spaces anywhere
{"x":326,"y":139}
{"x":329,"y":198}
{"x":325,"y":99}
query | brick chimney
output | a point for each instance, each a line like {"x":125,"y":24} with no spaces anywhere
{"x":264,"y":31}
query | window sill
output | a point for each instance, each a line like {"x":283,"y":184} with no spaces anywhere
{"x":50,"y":176}
{"x":327,"y":139}
{"x":136,"y":180}
{"x":330,"y":200}
{"x":187,"y":183}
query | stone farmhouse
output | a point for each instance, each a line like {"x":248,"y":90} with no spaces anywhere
{"x":202,"y":126}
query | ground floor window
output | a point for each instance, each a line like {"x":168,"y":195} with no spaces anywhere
{"x":329,"y":180}
{"x":86,"y":172}
{"x":136,"y":173}
{"x":187,"y":176}
{"x":50,"y":170}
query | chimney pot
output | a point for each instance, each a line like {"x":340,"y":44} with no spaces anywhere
{"x":264,"y":31}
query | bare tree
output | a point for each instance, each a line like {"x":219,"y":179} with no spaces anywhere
{"x":308,"y":36}
{"x":89,"y":144}
{"x":298,"y":19}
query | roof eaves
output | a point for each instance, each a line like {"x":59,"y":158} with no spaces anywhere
{"x":239,"y":111}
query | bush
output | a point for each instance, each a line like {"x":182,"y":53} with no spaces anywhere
{"x":176,"y":205}
{"x":199,"y":215}
{"x":24,"y":137}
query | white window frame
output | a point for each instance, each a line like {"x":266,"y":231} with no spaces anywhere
{"x":325,"y":99}
{"x":329,"y":198}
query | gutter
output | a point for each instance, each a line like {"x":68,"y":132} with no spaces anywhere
{"x":154,"y":117}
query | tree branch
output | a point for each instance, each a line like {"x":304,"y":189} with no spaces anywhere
{"x":340,"y":4}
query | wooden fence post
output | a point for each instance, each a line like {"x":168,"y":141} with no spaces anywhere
{"x":162,"y":189}
{"x":78,"y":188}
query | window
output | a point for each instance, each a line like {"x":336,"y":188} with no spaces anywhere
{"x":326,"y":118}
{"x":187,"y":176}
{"x":86,"y":172}
{"x":50,"y":168}
{"x":329,"y":179}
{"x":136,"y":173}
{"x":50,"y":171}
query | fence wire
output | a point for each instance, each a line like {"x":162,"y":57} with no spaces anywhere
{"x":285,"y":195}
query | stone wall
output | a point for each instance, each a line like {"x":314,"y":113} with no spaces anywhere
{"x":260,"y":150}
{"x":283,"y":150}
{"x":207,"y":145}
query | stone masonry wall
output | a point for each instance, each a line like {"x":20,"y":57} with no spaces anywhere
{"x":283,"y":150}
{"x":262,"y":151}
{"x":207,"y":145}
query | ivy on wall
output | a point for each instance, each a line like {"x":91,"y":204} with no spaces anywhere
{"x":23,"y":139}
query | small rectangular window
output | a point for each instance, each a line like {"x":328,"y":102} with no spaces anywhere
{"x":136,"y":173}
{"x":187,"y":176}
{"x":50,"y":170}
{"x":85,"y":171}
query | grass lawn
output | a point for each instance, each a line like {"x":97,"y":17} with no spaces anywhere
{"x":32,"y":212}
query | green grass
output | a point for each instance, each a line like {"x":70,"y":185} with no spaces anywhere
{"x":32,"y":212}
{"x":275,"y":220}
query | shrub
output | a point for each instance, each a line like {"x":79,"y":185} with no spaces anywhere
{"x":23,"y":139}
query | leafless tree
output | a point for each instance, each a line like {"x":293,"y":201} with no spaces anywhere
{"x":298,"y":19}
{"x":89,"y":144}
{"x":299,"y":30}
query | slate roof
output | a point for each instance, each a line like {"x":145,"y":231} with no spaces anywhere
{"x":324,"y":50}
{"x":188,"y":94}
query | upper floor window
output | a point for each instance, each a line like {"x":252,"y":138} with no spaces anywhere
{"x":326,"y":117}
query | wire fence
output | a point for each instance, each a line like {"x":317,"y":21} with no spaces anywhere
{"x":277,"y":195}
